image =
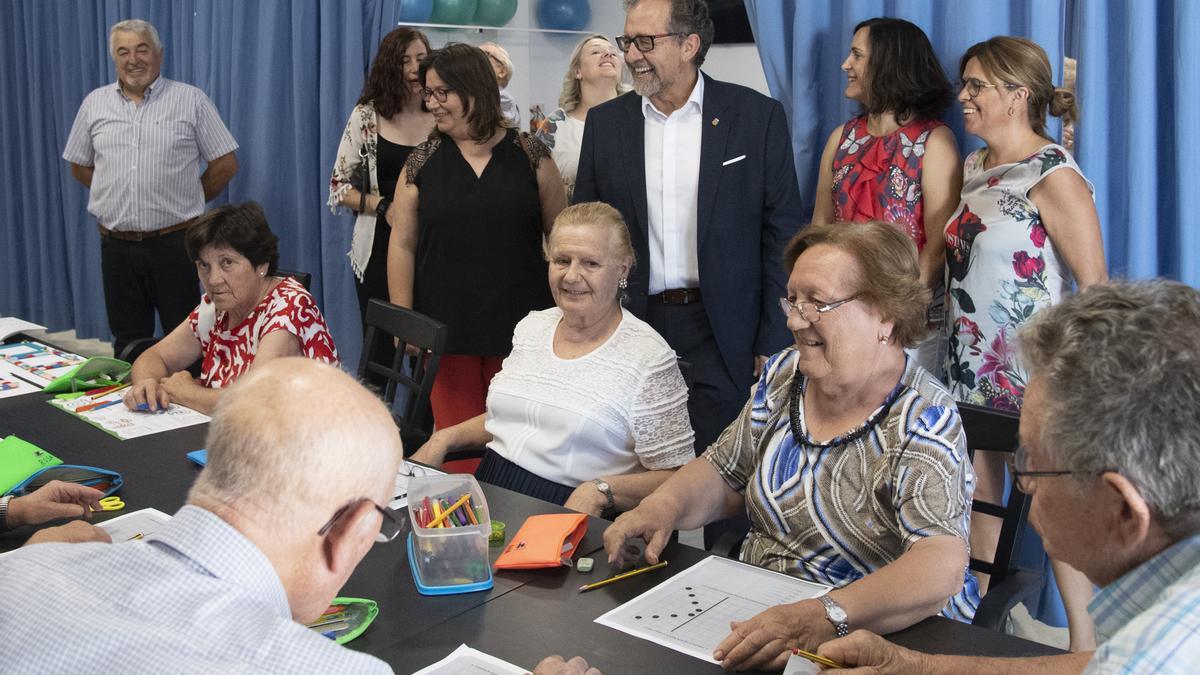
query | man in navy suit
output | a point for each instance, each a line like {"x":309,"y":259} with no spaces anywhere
{"x":703,"y":173}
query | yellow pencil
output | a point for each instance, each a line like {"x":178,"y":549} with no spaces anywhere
{"x":437,"y":516}
{"x":817,"y":658}
{"x":623,"y":575}
{"x":441,"y":517}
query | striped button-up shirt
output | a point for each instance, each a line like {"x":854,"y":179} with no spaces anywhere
{"x":195,"y":597}
{"x":147,"y":157}
{"x":1148,"y":621}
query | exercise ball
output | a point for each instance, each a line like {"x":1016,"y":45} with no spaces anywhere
{"x":495,"y":12}
{"x":564,"y":14}
{"x":453,"y":11}
{"x":415,"y":11}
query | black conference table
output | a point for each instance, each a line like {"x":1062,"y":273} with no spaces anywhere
{"x":527,"y":615}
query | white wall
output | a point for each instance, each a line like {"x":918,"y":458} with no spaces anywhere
{"x":540,"y":59}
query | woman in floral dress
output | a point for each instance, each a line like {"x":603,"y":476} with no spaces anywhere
{"x":896,"y":161}
{"x":1025,"y":233}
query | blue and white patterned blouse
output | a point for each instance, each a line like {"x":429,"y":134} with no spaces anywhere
{"x":834,"y":512}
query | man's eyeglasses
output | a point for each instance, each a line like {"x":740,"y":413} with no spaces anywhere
{"x":389,"y":529}
{"x":1017,"y":463}
{"x":645,"y":43}
{"x":439,"y":94}
{"x":974,"y":86}
{"x":810,"y":311}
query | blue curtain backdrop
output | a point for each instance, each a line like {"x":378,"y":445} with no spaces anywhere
{"x":1138,"y":65}
{"x":1139,"y":90}
{"x":284,"y":75}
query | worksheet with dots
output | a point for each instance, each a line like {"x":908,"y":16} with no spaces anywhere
{"x":691,"y":611}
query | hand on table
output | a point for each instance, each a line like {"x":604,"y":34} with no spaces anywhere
{"x":865,"y":652}
{"x":148,"y":395}
{"x":74,"y":532}
{"x":651,"y":521}
{"x":555,"y":665}
{"x":765,"y":641}
{"x":177,"y":385}
{"x":52,"y":501}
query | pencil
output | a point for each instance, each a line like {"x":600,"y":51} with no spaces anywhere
{"x":818,"y":659}
{"x":623,"y":575}
{"x":447,"y":512}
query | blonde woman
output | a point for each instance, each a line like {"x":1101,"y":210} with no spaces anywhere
{"x":593,"y":77}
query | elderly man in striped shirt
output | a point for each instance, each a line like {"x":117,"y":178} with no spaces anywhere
{"x":1111,"y":457}
{"x":138,"y":145}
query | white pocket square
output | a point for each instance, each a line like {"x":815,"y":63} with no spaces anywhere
{"x":735,"y":160}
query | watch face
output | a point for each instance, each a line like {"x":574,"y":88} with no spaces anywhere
{"x":837,"y":614}
{"x":602,"y":485}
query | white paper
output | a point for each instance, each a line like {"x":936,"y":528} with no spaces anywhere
{"x":470,"y":661}
{"x":127,"y":527}
{"x":691,"y":611}
{"x":10,"y":325}
{"x":124,"y":423}
{"x":11,"y":382}
{"x":407,"y":472}
{"x":38,"y":363}
{"x":798,"y":665}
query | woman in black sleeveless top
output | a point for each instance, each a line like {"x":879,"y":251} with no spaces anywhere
{"x":468,"y":219}
{"x":384,"y":127}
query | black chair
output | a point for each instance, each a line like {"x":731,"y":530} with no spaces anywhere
{"x":305,"y":278}
{"x":996,"y":430}
{"x":386,"y":321}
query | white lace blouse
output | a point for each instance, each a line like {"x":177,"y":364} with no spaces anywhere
{"x":620,"y":409}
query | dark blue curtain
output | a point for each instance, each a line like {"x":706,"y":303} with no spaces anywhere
{"x":803,"y":44}
{"x":284,"y":75}
{"x":1139,"y":90}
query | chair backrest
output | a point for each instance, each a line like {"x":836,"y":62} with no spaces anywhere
{"x":996,"y":430}
{"x":305,"y":278}
{"x":386,"y":321}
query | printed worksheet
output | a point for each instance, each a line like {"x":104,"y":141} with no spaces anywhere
{"x":471,"y":662}
{"x":38,"y":363}
{"x":135,"y":525}
{"x":407,"y":472}
{"x":11,"y":382}
{"x":691,"y":611}
{"x":108,"y":412}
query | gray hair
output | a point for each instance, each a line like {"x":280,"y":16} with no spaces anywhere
{"x":1122,"y":369}
{"x":292,"y":441}
{"x":504,"y":58}
{"x":134,"y":26}
{"x":688,"y":17}
{"x":568,"y":98}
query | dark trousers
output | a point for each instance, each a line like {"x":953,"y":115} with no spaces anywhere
{"x":716,"y":398}
{"x":374,"y":285}
{"x":141,"y":277}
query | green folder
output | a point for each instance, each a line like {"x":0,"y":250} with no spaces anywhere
{"x":19,"y":460}
{"x":98,"y":371}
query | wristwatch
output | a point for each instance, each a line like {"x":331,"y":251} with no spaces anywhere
{"x":605,"y":490}
{"x":4,"y":511}
{"x":836,"y":615}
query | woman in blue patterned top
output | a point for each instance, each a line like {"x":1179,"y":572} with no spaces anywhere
{"x":849,"y":459}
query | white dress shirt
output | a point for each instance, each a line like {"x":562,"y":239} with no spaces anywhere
{"x":672,"y":186}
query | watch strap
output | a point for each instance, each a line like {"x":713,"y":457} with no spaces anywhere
{"x":605,"y":490}
{"x":4,"y":511}
{"x":842,"y":627}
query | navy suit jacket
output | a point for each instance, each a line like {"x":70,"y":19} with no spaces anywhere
{"x":748,"y":210}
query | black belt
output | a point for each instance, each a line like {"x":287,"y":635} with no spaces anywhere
{"x":677,"y":296}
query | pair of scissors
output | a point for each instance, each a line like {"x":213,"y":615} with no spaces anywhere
{"x":112,"y":503}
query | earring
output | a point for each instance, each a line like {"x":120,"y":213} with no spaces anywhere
{"x":262,"y":274}
{"x":883,"y":340}
{"x":623,"y":284}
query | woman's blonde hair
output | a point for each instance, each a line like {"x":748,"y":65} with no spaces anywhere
{"x":568,"y":98}
{"x":888,"y":280}
{"x":596,"y":214}
{"x":1018,"y":62}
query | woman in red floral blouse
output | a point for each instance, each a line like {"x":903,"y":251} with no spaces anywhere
{"x":247,"y":316}
{"x":896,"y":162}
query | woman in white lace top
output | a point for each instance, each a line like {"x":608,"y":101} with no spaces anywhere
{"x":590,"y":409}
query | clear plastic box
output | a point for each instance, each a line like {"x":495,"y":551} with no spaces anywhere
{"x":452,"y":559}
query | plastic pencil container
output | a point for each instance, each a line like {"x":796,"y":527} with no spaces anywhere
{"x":450,"y":556}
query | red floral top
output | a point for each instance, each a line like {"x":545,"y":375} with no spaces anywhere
{"x":228,"y":352}
{"x":879,"y":178}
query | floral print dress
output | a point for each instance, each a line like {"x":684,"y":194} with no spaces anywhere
{"x":1001,"y":268}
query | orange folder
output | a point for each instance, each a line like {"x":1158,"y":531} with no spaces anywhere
{"x":547,"y":540}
